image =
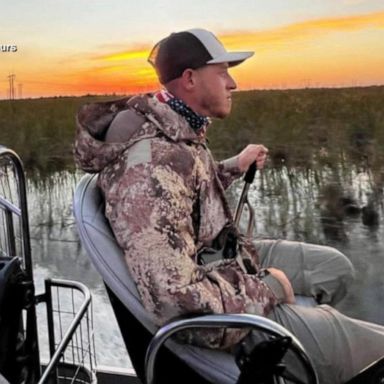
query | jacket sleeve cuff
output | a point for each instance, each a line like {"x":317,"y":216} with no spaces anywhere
{"x":231,"y":165}
{"x":228,"y":171}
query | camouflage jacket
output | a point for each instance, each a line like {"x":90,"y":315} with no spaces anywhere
{"x":165,"y":201}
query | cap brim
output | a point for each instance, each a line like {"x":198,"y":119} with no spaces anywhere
{"x":232,"y":58}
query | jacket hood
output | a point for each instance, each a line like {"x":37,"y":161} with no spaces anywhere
{"x":92,"y":153}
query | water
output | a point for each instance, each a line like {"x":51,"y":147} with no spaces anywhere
{"x":293,"y":205}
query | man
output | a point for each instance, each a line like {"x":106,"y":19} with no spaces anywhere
{"x":165,"y":201}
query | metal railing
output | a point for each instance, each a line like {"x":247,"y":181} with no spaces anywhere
{"x":68,"y":303}
{"x":70,"y":333}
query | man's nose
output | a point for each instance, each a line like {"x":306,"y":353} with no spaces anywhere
{"x":231,"y":83}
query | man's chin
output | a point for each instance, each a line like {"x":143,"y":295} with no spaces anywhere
{"x":222,"y":114}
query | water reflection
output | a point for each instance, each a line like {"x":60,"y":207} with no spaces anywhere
{"x":321,"y":206}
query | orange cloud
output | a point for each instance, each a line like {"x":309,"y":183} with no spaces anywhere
{"x":306,"y":29}
{"x":125,"y":55}
{"x":252,"y":39}
{"x":268,"y":39}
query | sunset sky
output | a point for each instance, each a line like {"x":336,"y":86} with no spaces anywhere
{"x":75,"y":47}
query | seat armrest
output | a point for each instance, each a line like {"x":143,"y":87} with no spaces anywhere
{"x":259,"y":323}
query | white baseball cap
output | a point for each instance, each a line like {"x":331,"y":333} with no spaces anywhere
{"x":193,"y":48}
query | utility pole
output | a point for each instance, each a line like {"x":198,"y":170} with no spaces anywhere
{"x":11,"y":79}
{"x":20,"y":87}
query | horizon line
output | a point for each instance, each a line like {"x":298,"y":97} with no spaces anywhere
{"x":337,"y":87}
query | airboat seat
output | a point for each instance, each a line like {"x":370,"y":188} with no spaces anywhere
{"x":197,"y":365}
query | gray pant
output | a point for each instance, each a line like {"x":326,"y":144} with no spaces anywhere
{"x":338,"y":345}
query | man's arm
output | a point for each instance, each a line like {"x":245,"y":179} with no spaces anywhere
{"x":232,"y":168}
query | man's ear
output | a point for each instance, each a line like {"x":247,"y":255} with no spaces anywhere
{"x":188,"y":79}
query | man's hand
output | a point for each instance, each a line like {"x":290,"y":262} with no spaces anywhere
{"x":285,"y":283}
{"x":251,"y":153}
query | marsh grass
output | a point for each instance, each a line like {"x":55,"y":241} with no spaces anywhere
{"x":305,"y":129}
{"x":41,"y":131}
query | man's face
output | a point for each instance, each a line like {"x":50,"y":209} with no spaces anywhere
{"x":213,"y":90}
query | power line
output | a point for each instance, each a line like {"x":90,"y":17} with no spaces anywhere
{"x":11,"y":79}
